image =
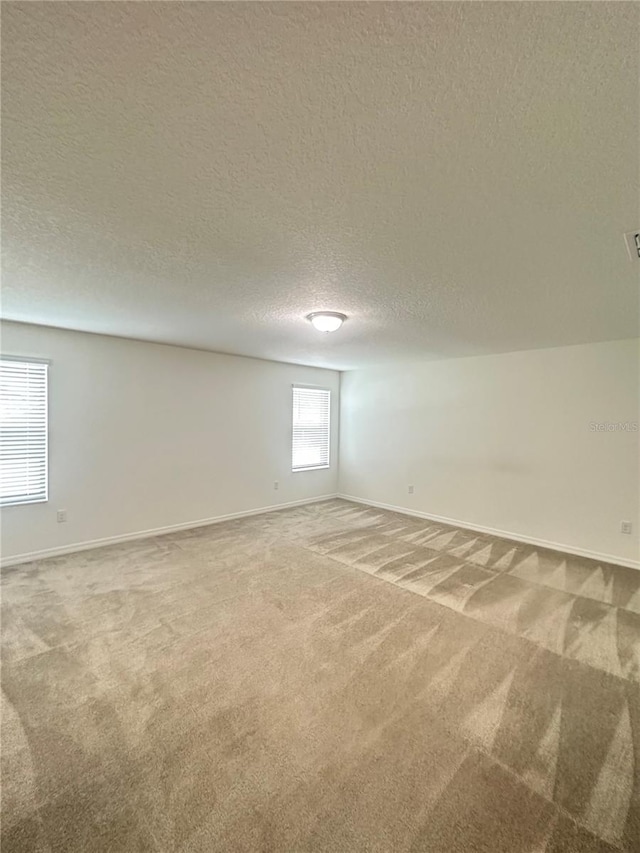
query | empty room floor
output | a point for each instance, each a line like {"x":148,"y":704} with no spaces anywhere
{"x":326,"y":678}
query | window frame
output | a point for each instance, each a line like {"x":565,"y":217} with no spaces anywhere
{"x":328,"y":392}
{"x":45,"y":362}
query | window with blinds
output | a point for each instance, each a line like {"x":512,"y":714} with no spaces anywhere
{"x":311,"y":416}
{"x":23,"y":431}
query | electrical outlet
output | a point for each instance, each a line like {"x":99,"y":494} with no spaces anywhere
{"x":410,"y":490}
{"x":276,"y":485}
{"x":625,"y":527}
{"x":61,"y":515}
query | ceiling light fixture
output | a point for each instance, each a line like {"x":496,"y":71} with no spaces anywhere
{"x":326,"y":321}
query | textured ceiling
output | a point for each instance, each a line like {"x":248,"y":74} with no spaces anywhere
{"x":456,"y":177}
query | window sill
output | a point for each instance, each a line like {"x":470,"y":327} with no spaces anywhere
{"x":24,"y":503}
{"x":310,"y":468}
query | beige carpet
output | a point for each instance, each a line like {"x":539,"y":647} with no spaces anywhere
{"x":327,"y":678}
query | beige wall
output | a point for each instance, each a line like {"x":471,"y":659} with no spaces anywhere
{"x":144,"y":436}
{"x":503,"y":442}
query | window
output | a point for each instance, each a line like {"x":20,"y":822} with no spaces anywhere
{"x":310,"y":447}
{"x":23,"y":431}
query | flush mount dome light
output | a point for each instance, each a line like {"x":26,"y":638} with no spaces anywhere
{"x":326,"y":321}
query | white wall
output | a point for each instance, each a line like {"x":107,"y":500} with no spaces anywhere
{"x":503,"y":442}
{"x":144,"y":436}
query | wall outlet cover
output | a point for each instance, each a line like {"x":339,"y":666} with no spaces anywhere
{"x":632,"y":239}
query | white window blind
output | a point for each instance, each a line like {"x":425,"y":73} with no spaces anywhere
{"x":23,"y":431}
{"x":311,"y":415}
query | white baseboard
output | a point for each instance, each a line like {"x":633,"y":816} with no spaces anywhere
{"x":504,"y":534}
{"x":156,"y":531}
{"x":17,"y":559}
